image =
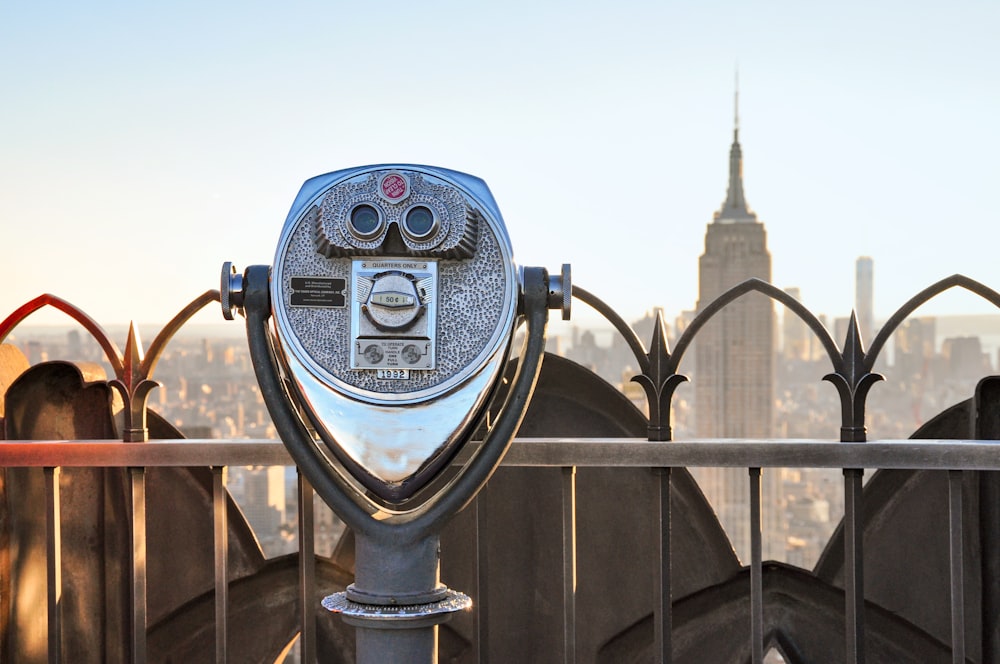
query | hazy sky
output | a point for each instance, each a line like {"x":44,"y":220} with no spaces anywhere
{"x":142,"y":145}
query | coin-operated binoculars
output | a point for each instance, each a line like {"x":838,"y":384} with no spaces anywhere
{"x":394,"y":297}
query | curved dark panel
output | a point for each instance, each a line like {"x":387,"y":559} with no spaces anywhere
{"x":180,"y":539}
{"x":12,"y":364}
{"x":617,"y":535}
{"x":53,"y":401}
{"x":803,"y":617}
{"x":570,"y":400}
{"x":61,"y":400}
{"x":905,"y":545}
{"x":263,"y":618}
{"x":953,"y":423}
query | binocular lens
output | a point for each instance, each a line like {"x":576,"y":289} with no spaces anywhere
{"x":366,"y":222}
{"x":419,"y":222}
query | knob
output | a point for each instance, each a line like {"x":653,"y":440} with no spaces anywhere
{"x":561,"y":291}
{"x":231,"y":291}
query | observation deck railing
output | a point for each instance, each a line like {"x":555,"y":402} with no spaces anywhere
{"x":948,"y":456}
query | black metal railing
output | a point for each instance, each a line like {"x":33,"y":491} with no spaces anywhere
{"x":951,"y":457}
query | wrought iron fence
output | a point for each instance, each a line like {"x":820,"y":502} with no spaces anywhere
{"x":852,"y":374}
{"x":949,"y":456}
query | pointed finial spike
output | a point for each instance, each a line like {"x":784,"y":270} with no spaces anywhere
{"x":659,"y":351}
{"x":658,"y":340}
{"x":854,"y":351}
{"x":852,"y":330}
{"x":134,"y":343}
{"x":660,"y":330}
{"x":132,"y":365}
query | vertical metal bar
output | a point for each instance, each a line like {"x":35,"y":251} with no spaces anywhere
{"x":307,"y":570}
{"x":756,"y":572}
{"x":664,"y":614}
{"x":957,"y":570}
{"x":854,"y":588}
{"x":989,"y":538}
{"x":53,"y":563}
{"x":482,"y":605}
{"x":569,"y":563}
{"x":221,"y":563}
{"x":137,"y":490}
{"x":987,"y":427}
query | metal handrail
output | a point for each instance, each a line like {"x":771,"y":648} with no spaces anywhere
{"x":547,"y":452}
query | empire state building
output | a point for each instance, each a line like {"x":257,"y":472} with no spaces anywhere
{"x":734,"y":356}
{"x":734,"y":364}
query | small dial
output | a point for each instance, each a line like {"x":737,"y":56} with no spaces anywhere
{"x":393,"y":303}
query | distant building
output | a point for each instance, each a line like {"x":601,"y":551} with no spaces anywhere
{"x":965,"y":357}
{"x":734,"y":362}
{"x":260,"y":492}
{"x":914,"y":343}
{"x":841,"y":324}
{"x":796,"y":336}
{"x":864,"y":298}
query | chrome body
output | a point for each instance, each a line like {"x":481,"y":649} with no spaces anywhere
{"x":391,"y":442}
{"x":393,"y":343}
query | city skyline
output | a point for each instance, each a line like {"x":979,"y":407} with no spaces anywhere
{"x":142,"y":147}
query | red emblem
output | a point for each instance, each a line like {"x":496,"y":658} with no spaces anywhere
{"x":394,"y":187}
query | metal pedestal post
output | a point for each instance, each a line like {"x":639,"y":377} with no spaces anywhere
{"x":396,"y":601}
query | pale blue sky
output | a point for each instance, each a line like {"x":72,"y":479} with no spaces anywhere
{"x":143,"y":145}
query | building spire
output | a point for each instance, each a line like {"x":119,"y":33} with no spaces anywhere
{"x":735,"y":207}
{"x":736,"y":105}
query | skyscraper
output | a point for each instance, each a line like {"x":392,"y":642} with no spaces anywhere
{"x":734,"y":362}
{"x":864,"y":297}
{"x":734,"y":389}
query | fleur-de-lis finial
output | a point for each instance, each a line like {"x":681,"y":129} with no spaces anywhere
{"x":134,"y":387}
{"x":659,"y":380}
{"x":853,"y":379}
